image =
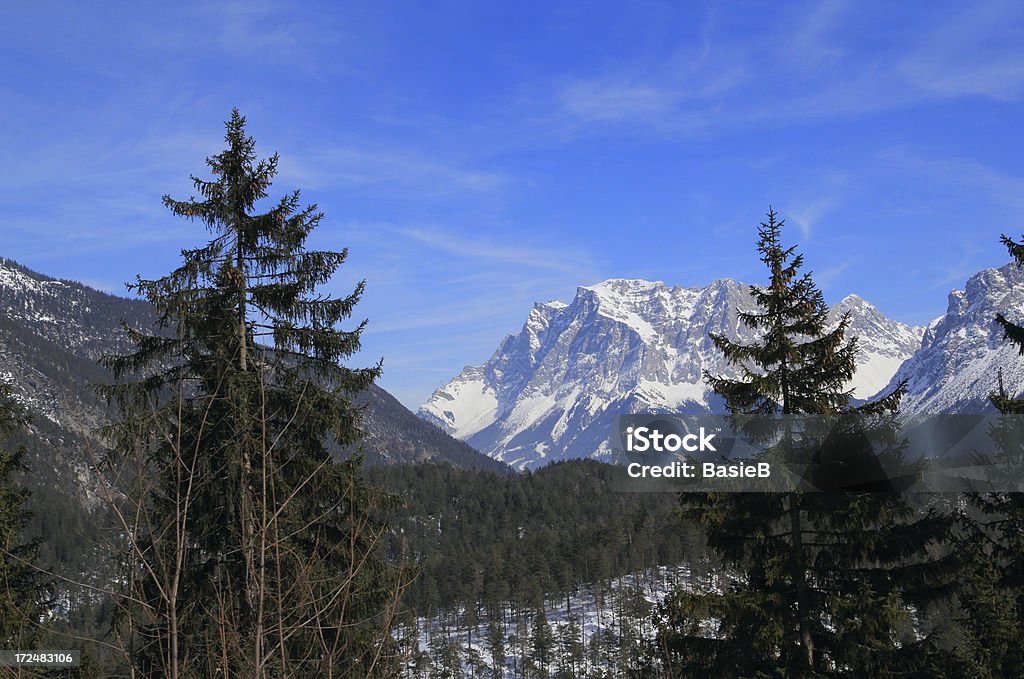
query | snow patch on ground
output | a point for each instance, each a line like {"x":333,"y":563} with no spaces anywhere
{"x":604,"y":616}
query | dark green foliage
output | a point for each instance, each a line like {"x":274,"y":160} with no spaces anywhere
{"x":24,"y":595}
{"x":480,"y":538}
{"x":64,"y":537}
{"x":799,"y":366}
{"x":570,"y":648}
{"x":542,"y":642}
{"x":815,"y":583}
{"x":993,"y":546}
{"x":252,"y":552}
{"x":1014,"y":332}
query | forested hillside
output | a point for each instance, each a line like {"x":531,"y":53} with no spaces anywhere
{"x":481,"y":539}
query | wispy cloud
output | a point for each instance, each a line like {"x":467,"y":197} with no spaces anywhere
{"x":616,"y":99}
{"x":999,"y":78}
{"x":492,"y":251}
{"x":478,"y":276}
{"x":809,"y":215}
{"x":962,"y":175}
{"x":271,"y":34}
{"x":677,"y":97}
{"x":812,"y":45}
{"x":453,"y":295}
{"x":391,"y":171}
{"x":827,"y":277}
{"x":964,"y":266}
{"x":804,"y":69}
{"x":476,"y":286}
{"x":976,"y":51}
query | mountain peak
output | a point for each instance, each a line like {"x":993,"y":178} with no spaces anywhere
{"x":14,"y":276}
{"x":621,"y":287}
{"x":854,"y":300}
{"x":622,"y":345}
{"x":625,"y":283}
{"x":964,"y":352}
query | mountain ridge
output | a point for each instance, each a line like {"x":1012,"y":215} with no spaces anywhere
{"x":964,"y":351}
{"x":623,"y":345}
{"x":53,"y":332}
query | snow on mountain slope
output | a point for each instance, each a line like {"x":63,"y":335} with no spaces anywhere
{"x":964,"y":351}
{"x":52,"y":332}
{"x":551,"y":390}
{"x":883,"y":344}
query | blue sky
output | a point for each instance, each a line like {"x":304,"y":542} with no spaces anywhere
{"x":478,"y":157}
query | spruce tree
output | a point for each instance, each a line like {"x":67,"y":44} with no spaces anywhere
{"x":821,"y":582}
{"x":992,"y":598}
{"x":252,"y":552}
{"x":496,"y":642}
{"x":1014,"y":333}
{"x":24,"y":596}
{"x":542,"y":641}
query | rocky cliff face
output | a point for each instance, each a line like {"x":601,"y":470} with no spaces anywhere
{"x":551,"y":390}
{"x":963,"y":352}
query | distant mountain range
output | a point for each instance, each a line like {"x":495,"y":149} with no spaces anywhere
{"x":551,"y":390}
{"x":52,"y":332}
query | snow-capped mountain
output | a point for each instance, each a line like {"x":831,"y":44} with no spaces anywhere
{"x":550,"y":391}
{"x":963,"y":352}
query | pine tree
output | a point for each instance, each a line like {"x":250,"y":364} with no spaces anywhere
{"x":252,"y":552}
{"x":542,"y":641}
{"x":496,"y":642}
{"x":993,"y":587}
{"x":24,"y":596}
{"x":570,"y":647}
{"x":823,"y":582}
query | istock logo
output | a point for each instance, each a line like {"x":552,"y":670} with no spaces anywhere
{"x":652,"y":438}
